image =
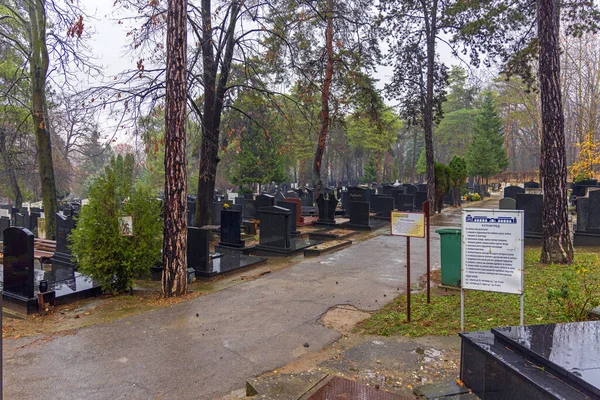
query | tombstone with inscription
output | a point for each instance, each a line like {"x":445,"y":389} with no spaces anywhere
{"x":512,"y":191}
{"x":508,"y":203}
{"x":327,"y":208}
{"x":357,"y":193}
{"x":532,"y":205}
{"x":18,"y":269}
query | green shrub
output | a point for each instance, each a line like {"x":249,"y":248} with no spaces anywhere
{"x":102,"y":252}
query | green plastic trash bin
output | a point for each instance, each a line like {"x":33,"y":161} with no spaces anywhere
{"x":450,"y":252}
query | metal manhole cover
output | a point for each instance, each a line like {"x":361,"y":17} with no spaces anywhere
{"x":343,"y":389}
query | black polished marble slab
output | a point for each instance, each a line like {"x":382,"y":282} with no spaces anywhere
{"x":571,"y":350}
{"x":494,"y":370}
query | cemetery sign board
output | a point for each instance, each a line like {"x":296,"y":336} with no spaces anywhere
{"x":408,"y":224}
{"x":492,"y":250}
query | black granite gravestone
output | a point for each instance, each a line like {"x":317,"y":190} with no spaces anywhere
{"x":18,"y":262}
{"x":532,"y":205}
{"x":420,"y":198}
{"x":385,"y":206}
{"x":217,"y":207}
{"x":4,"y":224}
{"x":542,"y":362}
{"x":274,"y":227}
{"x":357,"y":193}
{"x":359,"y":215}
{"x":422,"y":187}
{"x":309,"y":197}
{"x":231,"y":228}
{"x":33,"y":221}
{"x":531,"y":185}
{"x":62,"y":255}
{"x":249,"y":209}
{"x":508,"y":203}
{"x":410,"y":188}
{"x":512,"y":191}
{"x":198,"y":250}
{"x":279,"y":196}
{"x":327,"y":208}
{"x":275,"y":233}
{"x":387,"y":190}
{"x":587,"y":232}
{"x":291,"y":194}
{"x":264,"y":200}
{"x":20,"y":220}
{"x":345,"y":198}
{"x":405,"y":202}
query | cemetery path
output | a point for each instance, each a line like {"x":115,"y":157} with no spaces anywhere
{"x":209,"y":346}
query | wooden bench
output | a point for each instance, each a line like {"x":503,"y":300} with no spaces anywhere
{"x":43,"y":248}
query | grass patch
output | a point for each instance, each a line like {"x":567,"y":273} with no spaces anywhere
{"x":571,"y":288}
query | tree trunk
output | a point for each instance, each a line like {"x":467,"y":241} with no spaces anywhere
{"x":10,"y":169}
{"x":431,"y":31}
{"x":38,"y":70}
{"x":318,"y":184}
{"x":213,"y":105}
{"x":556,"y":243}
{"x":174,"y":277}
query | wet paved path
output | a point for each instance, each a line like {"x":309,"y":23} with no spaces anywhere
{"x":239,"y":332}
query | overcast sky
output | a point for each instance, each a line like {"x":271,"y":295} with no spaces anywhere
{"x":109,"y":44}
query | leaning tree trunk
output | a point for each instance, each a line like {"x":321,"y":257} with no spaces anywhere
{"x":318,"y":184}
{"x":556,"y":243}
{"x":38,"y":70}
{"x":431,"y":31}
{"x":174,"y":277}
{"x":10,"y":169}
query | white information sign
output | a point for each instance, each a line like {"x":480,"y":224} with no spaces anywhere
{"x":492,"y":250}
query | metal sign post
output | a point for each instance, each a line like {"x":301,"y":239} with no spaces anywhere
{"x":492,"y":254}
{"x":409,"y":224}
{"x":428,"y":244}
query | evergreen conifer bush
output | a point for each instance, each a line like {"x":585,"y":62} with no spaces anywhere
{"x":110,"y":258}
